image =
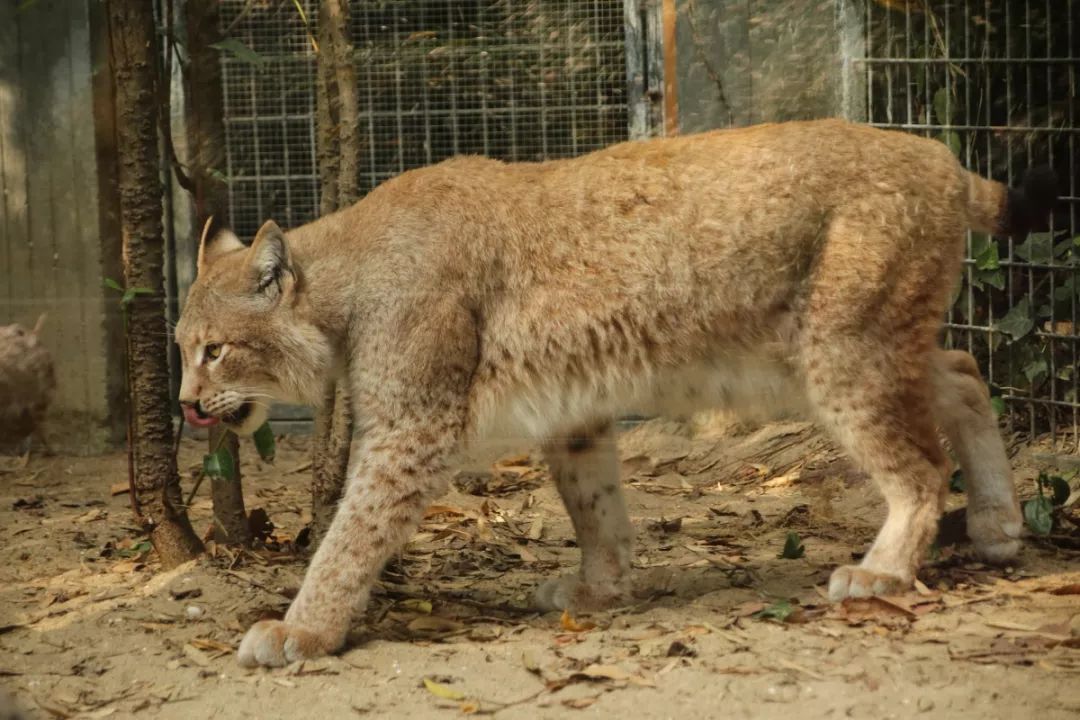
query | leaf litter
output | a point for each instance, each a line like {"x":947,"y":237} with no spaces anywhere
{"x":463,"y":586}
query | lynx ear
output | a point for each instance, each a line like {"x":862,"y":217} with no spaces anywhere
{"x":213,"y":245}
{"x":269,"y":259}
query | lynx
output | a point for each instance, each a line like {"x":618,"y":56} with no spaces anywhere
{"x":797,"y":267}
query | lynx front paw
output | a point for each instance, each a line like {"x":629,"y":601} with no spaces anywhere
{"x":851,"y":581}
{"x":571,"y":593}
{"x":274,"y":643}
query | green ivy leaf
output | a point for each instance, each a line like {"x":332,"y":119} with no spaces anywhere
{"x":1038,"y":514}
{"x":994,"y":278}
{"x":952,"y":141}
{"x":1058,"y":486}
{"x":140,"y":548}
{"x":264,"y":442}
{"x":941,"y":102}
{"x":1036,"y":370}
{"x":1038,"y":248}
{"x":240,"y":51}
{"x":1017,"y":322}
{"x":793,"y":547}
{"x":219,"y":464}
{"x":997,"y":404}
{"x":780,"y":610}
{"x":131,"y":292}
{"x":984,"y":251}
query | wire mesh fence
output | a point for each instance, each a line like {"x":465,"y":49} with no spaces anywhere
{"x":996,"y":82}
{"x":511,"y":79}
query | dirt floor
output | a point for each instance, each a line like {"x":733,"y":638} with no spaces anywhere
{"x":90,"y":626}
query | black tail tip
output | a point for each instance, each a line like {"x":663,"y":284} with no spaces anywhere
{"x":1031,"y":204}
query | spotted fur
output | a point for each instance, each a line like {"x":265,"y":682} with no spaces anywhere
{"x":800,"y":267}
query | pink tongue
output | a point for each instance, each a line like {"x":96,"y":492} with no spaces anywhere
{"x":192,"y":418}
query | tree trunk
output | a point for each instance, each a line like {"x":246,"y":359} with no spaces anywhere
{"x":156,"y":492}
{"x":330,"y":458}
{"x":205,"y":113}
{"x":338,"y":147}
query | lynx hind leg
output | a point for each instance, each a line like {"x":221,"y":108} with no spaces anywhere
{"x":962,"y":410}
{"x":866,"y":346}
{"x":883,"y":420}
{"x":586,"y":470}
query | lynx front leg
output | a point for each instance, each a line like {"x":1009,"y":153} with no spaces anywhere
{"x":412,"y":392}
{"x":382,"y":506}
{"x":586,"y":471}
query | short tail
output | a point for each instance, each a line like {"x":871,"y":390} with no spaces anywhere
{"x":1001,"y":210}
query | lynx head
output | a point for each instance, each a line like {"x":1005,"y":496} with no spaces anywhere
{"x":245,"y":335}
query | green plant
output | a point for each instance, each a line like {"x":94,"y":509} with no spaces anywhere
{"x":1039,"y":511}
{"x":780,"y":611}
{"x":793,"y":547}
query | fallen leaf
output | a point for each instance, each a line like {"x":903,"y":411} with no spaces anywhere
{"x":437,"y":510}
{"x":579,"y":703}
{"x":470,"y":708}
{"x":416,"y":605}
{"x":536,"y":530}
{"x":530,"y":662}
{"x":119,"y":488}
{"x":432,"y":625}
{"x":1073,"y":589}
{"x":95,"y":514}
{"x":570,"y":625}
{"x":442,"y":691}
{"x":196,"y":655}
{"x":604,"y":672}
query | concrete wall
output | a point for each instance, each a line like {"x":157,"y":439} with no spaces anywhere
{"x":51,"y":258}
{"x":741,"y":62}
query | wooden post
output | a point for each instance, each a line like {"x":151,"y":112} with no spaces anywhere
{"x":338,"y":148}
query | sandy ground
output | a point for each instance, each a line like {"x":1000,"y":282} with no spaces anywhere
{"x":90,"y":626}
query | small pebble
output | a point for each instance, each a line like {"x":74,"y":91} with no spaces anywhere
{"x":194,"y":612}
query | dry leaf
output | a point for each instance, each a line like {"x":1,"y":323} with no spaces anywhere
{"x":579,"y":703}
{"x":536,"y":531}
{"x":530,"y":662}
{"x":470,"y":708}
{"x":432,"y":625}
{"x":211,"y":645}
{"x":196,"y":655}
{"x":570,"y":625}
{"x":442,"y":691}
{"x":416,"y":605}
{"x":95,"y":514}
{"x":437,"y":510}
{"x":119,"y":488}
{"x":1073,"y":589}
{"x":604,"y":672}
{"x":921,"y":588}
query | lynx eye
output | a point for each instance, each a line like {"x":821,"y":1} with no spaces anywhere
{"x":213,"y":350}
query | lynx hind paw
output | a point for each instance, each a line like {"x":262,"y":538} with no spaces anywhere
{"x":571,"y":593}
{"x":851,"y":581}
{"x":274,"y":643}
{"x":995,"y":533}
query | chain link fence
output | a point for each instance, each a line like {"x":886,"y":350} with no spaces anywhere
{"x":511,"y":79}
{"x":996,"y":82}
